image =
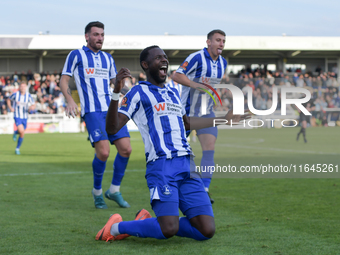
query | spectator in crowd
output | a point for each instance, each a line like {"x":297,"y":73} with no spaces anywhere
{"x":270,"y":80}
{"x":323,"y":80}
{"x":43,"y":88}
{"x":329,"y":82}
{"x":2,"y":80}
{"x":3,"y":107}
{"x":260,"y":103}
{"x":57,"y":76}
{"x":318,"y":70}
{"x":334,"y":81}
{"x":318,"y":82}
{"x":31,"y":89}
{"x":287,"y":81}
{"x":141,"y":77}
{"x":308,"y":80}
{"x":29,"y":75}
{"x":37,"y":80}
{"x":52,"y":105}
{"x":335,"y":70}
{"x":15,"y":76}
{"x":314,"y":83}
{"x":300,"y":82}
{"x":278,"y":78}
{"x":23,"y":77}
{"x":134,"y":81}
{"x":43,"y":76}
{"x":32,"y":109}
{"x":295,"y":78}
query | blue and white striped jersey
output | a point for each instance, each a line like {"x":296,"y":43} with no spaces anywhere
{"x":92,"y":73}
{"x":199,"y":67}
{"x":177,"y":86}
{"x":158,"y":114}
{"x":21,"y":104}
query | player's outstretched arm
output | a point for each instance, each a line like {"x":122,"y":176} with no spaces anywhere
{"x":236,"y":118}
{"x":114,"y":120}
{"x":199,"y":123}
{"x":72,"y":107}
{"x":184,"y":80}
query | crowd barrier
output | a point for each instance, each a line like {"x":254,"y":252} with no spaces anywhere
{"x":49,"y":123}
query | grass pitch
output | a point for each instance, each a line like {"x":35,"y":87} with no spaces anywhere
{"x":46,"y":205}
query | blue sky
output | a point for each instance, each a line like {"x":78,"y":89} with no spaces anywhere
{"x":186,"y":17}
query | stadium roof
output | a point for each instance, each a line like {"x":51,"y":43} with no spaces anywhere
{"x":240,"y":46}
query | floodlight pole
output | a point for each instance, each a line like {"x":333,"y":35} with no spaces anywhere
{"x":41,"y":64}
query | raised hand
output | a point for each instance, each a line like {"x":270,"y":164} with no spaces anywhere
{"x":121,"y":75}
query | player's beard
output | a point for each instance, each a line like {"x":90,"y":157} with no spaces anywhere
{"x":155,"y":75}
{"x":95,"y":47}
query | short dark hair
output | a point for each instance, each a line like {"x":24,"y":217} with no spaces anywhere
{"x":93,"y":24}
{"x":145,"y":53}
{"x":215,"y":31}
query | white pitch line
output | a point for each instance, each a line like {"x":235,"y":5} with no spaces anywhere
{"x":61,"y":173}
{"x":276,"y":149}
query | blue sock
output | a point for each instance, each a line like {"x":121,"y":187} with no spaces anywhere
{"x":142,"y":228}
{"x":186,"y":230}
{"x":207,"y":160}
{"x":19,"y":142}
{"x":16,"y":132}
{"x":98,"y":168}
{"x":119,"y":166}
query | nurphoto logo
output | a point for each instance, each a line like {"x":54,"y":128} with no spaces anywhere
{"x":238,"y":104}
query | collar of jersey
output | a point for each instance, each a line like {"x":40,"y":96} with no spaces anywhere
{"x":206,"y":53}
{"x":150,"y":84}
{"x":87,"y":49}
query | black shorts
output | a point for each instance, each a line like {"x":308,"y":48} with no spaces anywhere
{"x":304,"y":117}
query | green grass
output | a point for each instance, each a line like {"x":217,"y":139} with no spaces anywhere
{"x":46,"y":205}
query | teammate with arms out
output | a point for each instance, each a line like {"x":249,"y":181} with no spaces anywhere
{"x":204,"y":66}
{"x":94,"y":71}
{"x":157,"y":111}
{"x":21,"y":101}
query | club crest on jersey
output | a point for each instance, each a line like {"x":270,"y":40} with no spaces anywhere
{"x":165,"y":95}
{"x":123,"y":102}
{"x":184,"y":65}
{"x":166,"y":190}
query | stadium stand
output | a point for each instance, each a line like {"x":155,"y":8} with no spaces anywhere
{"x":324,"y":88}
{"x":43,"y":53}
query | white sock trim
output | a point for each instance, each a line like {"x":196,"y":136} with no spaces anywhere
{"x":114,"y":230}
{"x":114,"y":188}
{"x":97,"y":192}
